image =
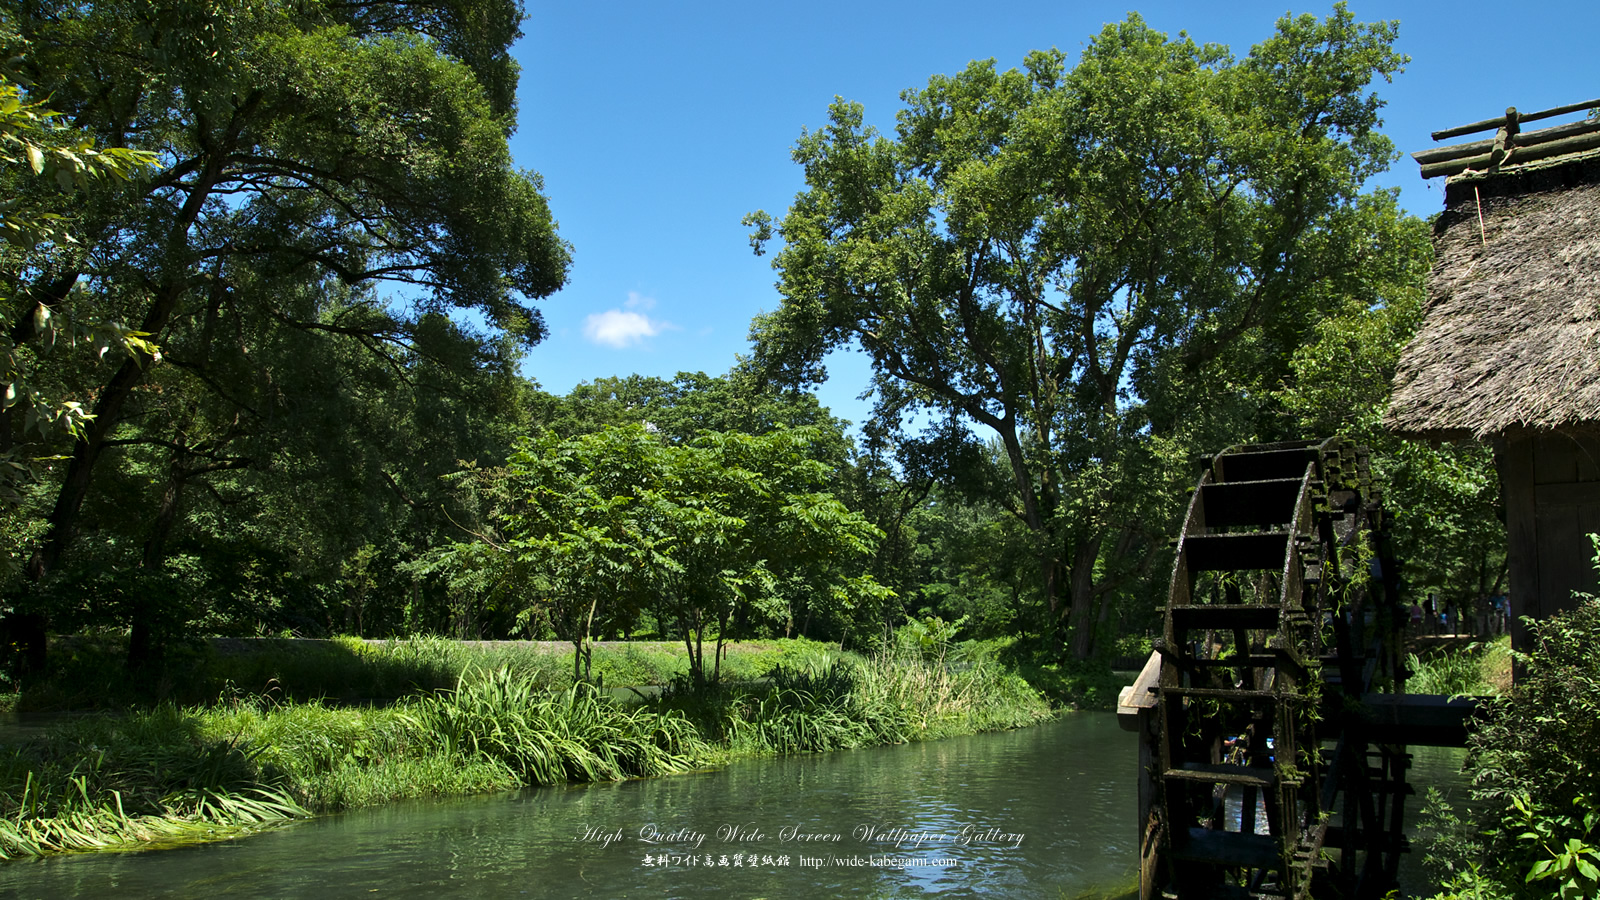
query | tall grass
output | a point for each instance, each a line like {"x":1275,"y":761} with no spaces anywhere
{"x":177,"y":774}
{"x":574,"y":735}
{"x":100,"y":783}
{"x":818,"y":703}
{"x":1480,"y":669}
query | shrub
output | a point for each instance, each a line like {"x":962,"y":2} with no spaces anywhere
{"x":1535,"y":765}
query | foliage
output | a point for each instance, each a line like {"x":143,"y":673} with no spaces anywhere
{"x":1107,"y":267}
{"x":690,"y":403}
{"x":100,"y":783}
{"x":544,"y":738}
{"x":931,"y":638}
{"x":724,"y":532}
{"x":335,"y":203}
{"x":821,"y":703}
{"x":1444,"y":500}
{"x":36,"y":143}
{"x":1477,"y":670}
{"x":86,"y":672}
{"x":1535,"y":764}
{"x":175,"y":774}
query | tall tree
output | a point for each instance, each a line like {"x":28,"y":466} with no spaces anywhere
{"x":37,"y":145}
{"x":1097,"y":265}
{"x":311,"y":153}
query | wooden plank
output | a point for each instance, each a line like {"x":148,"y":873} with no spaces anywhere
{"x":1565,"y":552}
{"x":1229,"y":848}
{"x":1234,"y":694}
{"x":1222,"y":773}
{"x":1236,"y":552}
{"x":1525,"y":139}
{"x":1253,"y":503}
{"x":1138,"y":697}
{"x":1573,"y":493}
{"x":1254,"y":616}
{"x":1426,"y":720}
{"x":1266,"y":465}
{"x":1554,"y":459}
{"x":1519,"y":155}
{"x":1587,"y":453}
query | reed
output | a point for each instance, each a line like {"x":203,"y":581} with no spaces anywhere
{"x":817,"y":704}
{"x":574,"y":735}
{"x":171,"y":774}
{"x":102,"y":783}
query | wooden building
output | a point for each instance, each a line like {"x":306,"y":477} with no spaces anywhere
{"x":1509,"y":348}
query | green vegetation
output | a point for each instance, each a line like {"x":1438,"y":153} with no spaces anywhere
{"x":87,"y":673}
{"x":721,"y":533}
{"x":306,"y":436}
{"x":267,"y":276}
{"x":200,"y":772}
{"x":1529,"y":829}
{"x":1105,"y":267}
{"x":1481,"y":669}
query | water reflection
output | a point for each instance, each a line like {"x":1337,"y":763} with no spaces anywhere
{"x":949,"y":812}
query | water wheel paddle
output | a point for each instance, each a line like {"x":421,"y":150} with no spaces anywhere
{"x":1281,"y":618}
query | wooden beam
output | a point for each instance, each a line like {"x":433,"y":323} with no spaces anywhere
{"x":1512,"y":114}
{"x":1525,"y":139}
{"x":1518,"y":155}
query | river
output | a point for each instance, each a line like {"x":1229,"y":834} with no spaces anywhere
{"x":1044,"y":812}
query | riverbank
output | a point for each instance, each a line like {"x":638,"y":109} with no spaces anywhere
{"x":196,"y":772}
{"x":1067,"y":786}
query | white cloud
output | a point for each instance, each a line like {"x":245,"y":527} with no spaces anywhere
{"x":623,"y":328}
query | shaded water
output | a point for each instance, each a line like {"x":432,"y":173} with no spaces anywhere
{"x":1042,"y":812}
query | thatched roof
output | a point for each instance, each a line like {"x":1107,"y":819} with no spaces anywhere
{"x":1511,"y":334}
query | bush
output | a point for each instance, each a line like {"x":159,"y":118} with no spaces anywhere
{"x":1535,"y":765}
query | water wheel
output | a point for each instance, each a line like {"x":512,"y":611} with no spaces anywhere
{"x":1281,"y":618}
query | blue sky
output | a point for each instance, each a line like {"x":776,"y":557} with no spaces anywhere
{"x":657,"y":126}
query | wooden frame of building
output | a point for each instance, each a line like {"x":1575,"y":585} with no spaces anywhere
{"x":1509,"y":348}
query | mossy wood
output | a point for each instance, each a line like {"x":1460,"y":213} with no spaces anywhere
{"x":1270,"y":768}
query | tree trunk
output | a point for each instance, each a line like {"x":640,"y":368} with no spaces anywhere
{"x":108,"y":407}
{"x":1081,"y":616}
{"x":144,"y":643}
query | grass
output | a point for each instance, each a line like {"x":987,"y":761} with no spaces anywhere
{"x":182,"y":773}
{"x":1480,"y":669}
{"x":87,"y":672}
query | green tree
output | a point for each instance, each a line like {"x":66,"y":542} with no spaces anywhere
{"x":1445,"y":500}
{"x":36,"y":144}
{"x":690,"y":403}
{"x":1104,"y":267}
{"x":725,"y":533}
{"x":761,"y":541}
{"x":312,"y":154}
{"x":589,"y":531}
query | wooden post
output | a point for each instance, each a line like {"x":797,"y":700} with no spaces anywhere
{"x":1136,"y":711}
{"x":1513,"y":454}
